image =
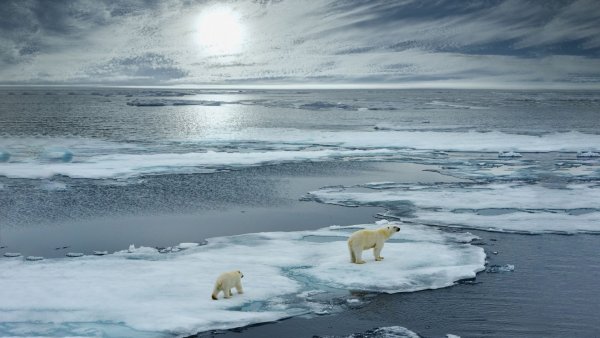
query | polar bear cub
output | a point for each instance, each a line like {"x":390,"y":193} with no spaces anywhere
{"x":226,"y":282}
{"x":369,"y":239}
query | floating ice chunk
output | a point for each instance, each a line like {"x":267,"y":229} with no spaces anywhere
{"x":584,"y":154}
{"x":500,"y":268}
{"x":57,"y":154}
{"x":100,"y":253}
{"x":175,"y":288}
{"x":187,"y":245}
{"x":4,"y":156}
{"x":131,"y":248}
{"x":34,"y":258}
{"x":382,"y":332}
{"x":12,"y":254}
{"x":165,"y":102}
{"x":74,"y":254}
{"x":449,"y":335}
{"x":382,"y":222}
{"x":318,"y":105}
{"x":53,"y":186}
{"x":504,"y":154}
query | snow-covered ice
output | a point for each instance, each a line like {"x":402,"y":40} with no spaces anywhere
{"x":499,"y":207}
{"x":145,"y":291}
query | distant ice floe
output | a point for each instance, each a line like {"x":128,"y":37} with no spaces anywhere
{"x":143,"y":292}
{"x":166,"y":102}
{"x":500,"y":268}
{"x":225,"y":149}
{"x":129,"y":165}
{"x":509,"y":154}
{"x":509,"y":207}
{"x":587,"y":154}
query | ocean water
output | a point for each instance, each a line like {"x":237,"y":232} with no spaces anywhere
{"x":162,"y":183}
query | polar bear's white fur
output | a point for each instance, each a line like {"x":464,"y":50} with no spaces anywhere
{"x":369,"y":239}
{"x":226,"y":282}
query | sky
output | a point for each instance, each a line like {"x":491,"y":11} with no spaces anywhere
{"x":403,"y":43}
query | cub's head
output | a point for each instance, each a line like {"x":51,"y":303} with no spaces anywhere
{"x":240,"y":273}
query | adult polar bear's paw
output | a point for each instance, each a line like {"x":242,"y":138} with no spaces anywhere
{"x":369,"y":239}
{"x":227,"y":281}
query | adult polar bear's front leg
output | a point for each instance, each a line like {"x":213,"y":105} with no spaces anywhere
{"x":377,"y":250}
{"x":238,"y":287}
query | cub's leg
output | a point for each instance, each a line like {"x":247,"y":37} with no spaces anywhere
{"x":238,"y":287}
{"x":227,"y":292}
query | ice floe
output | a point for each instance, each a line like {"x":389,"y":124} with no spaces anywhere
{"x":12,"y":254}
{"x":128,"y":165}
{"x":510,"y":207}
{"x":381,"y":332}
{"x":163,"y":102}
{"x":141,"y":290}
{"x":587,"y":154}
{"x":222,"y":149}
{"x":509,"y":154}
{"x":500,"y":268}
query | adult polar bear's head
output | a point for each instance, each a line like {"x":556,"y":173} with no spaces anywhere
{"x":388,"y":231}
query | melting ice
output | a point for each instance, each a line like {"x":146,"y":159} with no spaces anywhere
{"x":500,"y":207}
{"x":141,"y":292}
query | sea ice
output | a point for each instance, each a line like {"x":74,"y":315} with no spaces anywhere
{"x":12,"y":254}
{"x":500,"y":268}
{"x":511,"y":207}
{"x":34,"y":258}
{"x":4,"y":156}
{"x":381,"y":332}
{"x":57,"y":155}
{"x":587,"y":154}
{"x":74,"y":254}
{"x":509,"y":154}
{"x":169,"y":294}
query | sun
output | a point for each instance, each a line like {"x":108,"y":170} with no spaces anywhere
{"x":219,"y":31}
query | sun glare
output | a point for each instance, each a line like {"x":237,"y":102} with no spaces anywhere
{"x":220,"y":31}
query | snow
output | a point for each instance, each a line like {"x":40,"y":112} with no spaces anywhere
{"x":509,"y":207}
{"x":169,"y":294}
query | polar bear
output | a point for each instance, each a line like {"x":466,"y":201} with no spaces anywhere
{"x":226,"y":282}
{"x":369,"y":239}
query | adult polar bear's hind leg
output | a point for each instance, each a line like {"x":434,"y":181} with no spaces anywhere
{"x":369,"y":239}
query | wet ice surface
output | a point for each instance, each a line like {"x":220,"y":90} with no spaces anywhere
{"x":283,"y":273}
{"x":513,"y":207}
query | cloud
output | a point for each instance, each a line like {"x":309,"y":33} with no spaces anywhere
{"x":500,"y":42}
